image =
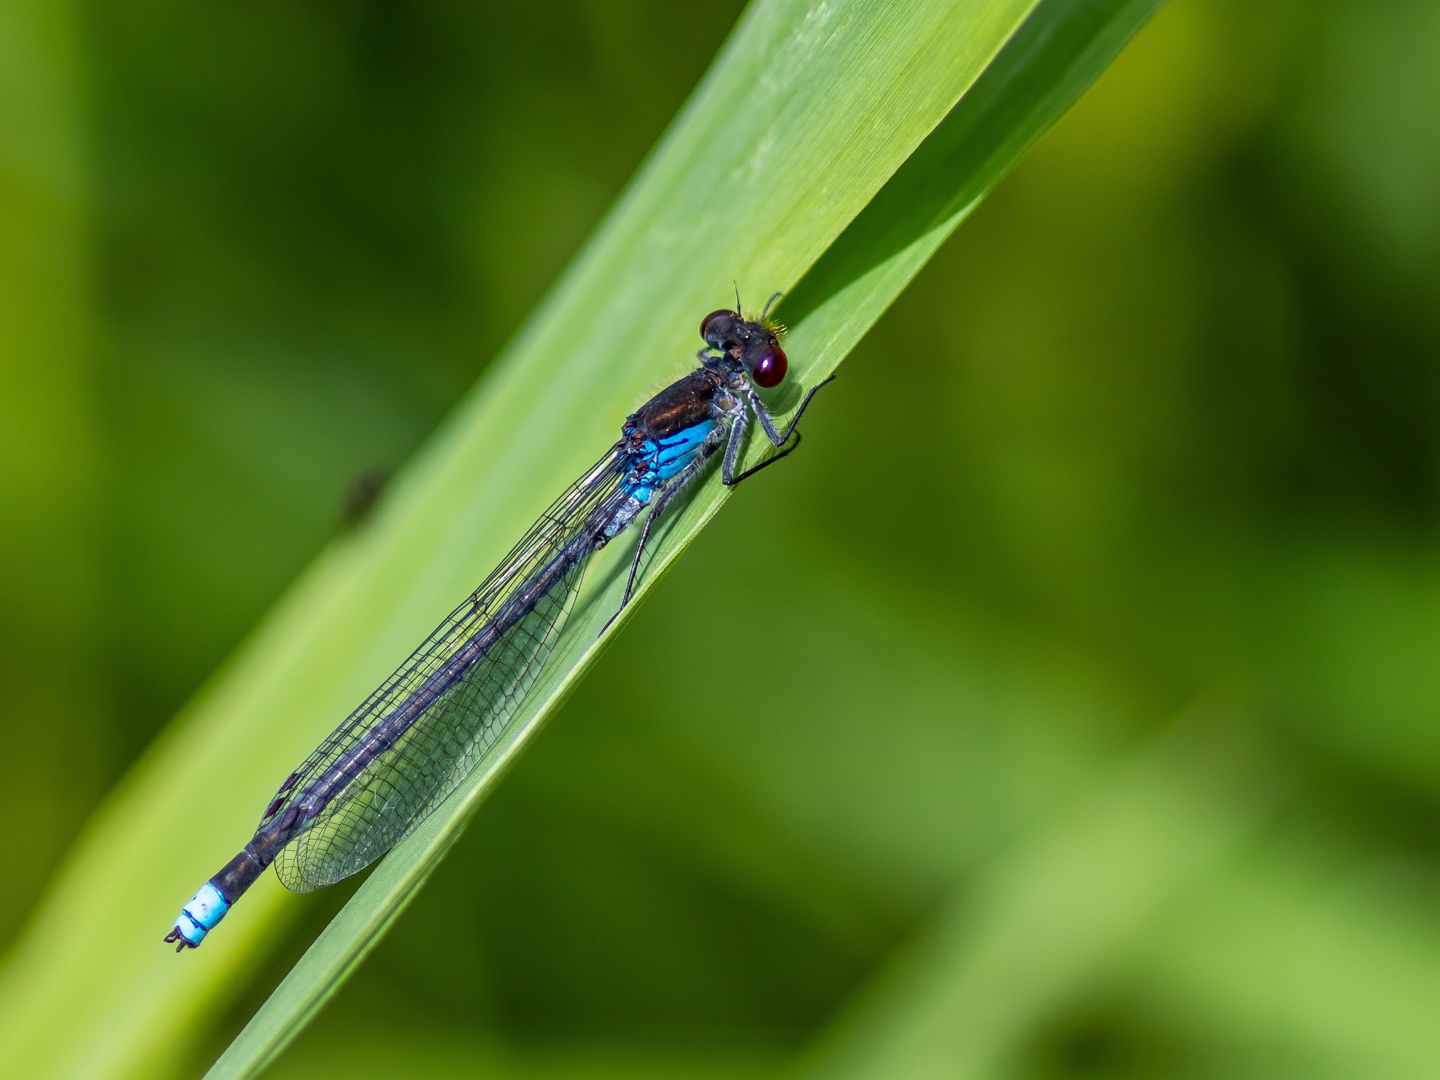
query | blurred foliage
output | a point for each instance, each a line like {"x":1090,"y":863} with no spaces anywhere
{"x":52,"y":759}
{"x":1067,"y":708}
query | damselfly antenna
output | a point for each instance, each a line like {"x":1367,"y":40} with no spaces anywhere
{"x":770,"y":303}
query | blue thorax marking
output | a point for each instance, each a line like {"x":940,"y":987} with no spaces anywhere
{"x":674,"y":452}
{"x":660,"y":459}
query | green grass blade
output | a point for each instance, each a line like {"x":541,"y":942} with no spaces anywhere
{"x":1047,"y":63}
{"x":805,"y":116}
{"x":1059,"y":51}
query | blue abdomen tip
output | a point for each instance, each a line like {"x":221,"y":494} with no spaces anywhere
{"x":197,"y":918}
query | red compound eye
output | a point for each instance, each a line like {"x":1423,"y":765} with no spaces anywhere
{"x":770,"y":369}
{"x":705,"y":323}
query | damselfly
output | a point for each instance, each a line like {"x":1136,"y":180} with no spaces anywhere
{"x":413,"y":741}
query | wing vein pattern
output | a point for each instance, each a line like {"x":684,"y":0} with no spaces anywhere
{"x":412,"y":741}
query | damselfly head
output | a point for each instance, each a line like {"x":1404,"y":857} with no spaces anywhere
{"x":755,"y":343}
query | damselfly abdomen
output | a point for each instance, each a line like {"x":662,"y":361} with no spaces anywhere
{"x":412,"y":742}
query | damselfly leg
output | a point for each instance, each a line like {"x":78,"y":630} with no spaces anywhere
{"x":777,"y":438}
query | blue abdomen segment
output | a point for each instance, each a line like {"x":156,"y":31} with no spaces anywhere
{"x":197,"y":918}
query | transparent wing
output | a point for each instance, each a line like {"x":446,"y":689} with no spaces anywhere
{"x":412,"y":741}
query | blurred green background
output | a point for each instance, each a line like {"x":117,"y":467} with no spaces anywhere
{"x":1069,"y":707}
